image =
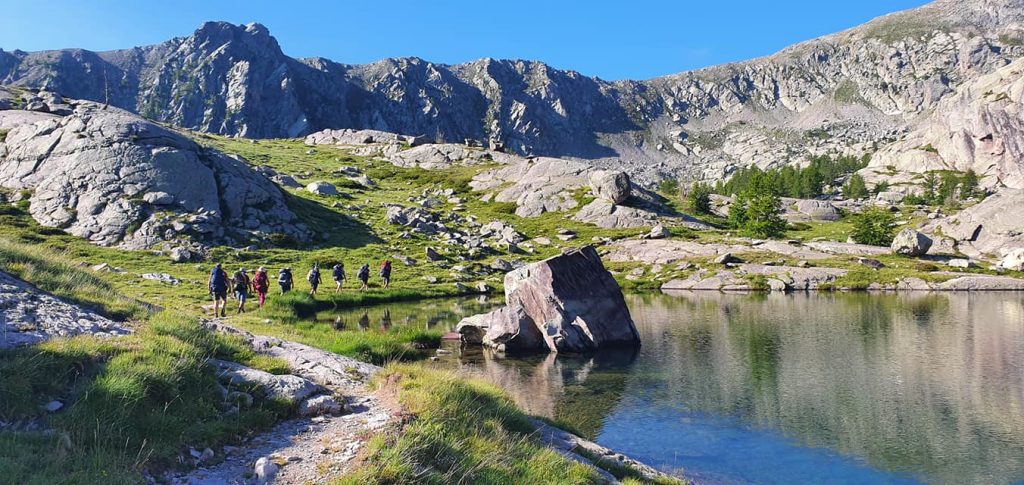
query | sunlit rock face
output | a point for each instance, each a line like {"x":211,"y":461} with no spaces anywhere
{"x":115,"y":179}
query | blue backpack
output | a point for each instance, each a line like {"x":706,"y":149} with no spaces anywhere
{"x":218,"y":280}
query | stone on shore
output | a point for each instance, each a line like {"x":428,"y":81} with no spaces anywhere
{"x":911,"y":243}
{"x":1014,"y":260}
{"x":568,"y":303}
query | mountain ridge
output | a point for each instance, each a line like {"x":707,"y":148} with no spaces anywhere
{"x":845,"y":92}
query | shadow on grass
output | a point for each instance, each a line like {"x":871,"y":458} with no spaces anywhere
{"x":342,"y":231}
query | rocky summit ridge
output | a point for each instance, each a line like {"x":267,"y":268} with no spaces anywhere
{"x":853,"y":92}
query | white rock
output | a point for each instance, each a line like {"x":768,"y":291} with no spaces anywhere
{"x":318,"y":405}
{"x":265,"y":470}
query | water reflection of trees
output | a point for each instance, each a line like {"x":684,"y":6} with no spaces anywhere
{"x":928,"y":382}
{"x":439,"y":314}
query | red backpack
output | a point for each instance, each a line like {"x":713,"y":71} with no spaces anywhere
{"x":260,"y":282}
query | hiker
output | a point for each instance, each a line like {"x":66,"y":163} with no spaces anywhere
{"x":338,"y":274}
{"x":284,"y":280}
{"x":364,"y":276}
{"x":385,"y":273}
{"x":219,"y":289}
{"x":242,"y":286}
{"x":314,"y":279}
{"x":261,"y":284}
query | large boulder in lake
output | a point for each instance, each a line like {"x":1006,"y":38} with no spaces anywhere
{"x":114,"y":178}
{"x":911,"y":243}
{"x":568,"y":303}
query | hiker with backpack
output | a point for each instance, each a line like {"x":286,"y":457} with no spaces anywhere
{"x":314,"y":279}
{"x":385,"y":273}
{"x":261,"y":284}
{"x":242,"y":286}
{"x":364,"y":276}
{"x":218,"y":285}
{"x":284,"y":280}
{"x":338,"y":274}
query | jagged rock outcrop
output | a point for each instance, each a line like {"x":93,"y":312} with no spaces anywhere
{"x":114,"y":178}
{"x":568,"y":303}
{"x":846,"y":92}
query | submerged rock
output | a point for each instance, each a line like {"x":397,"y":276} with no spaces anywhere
{"x":568,"y":303}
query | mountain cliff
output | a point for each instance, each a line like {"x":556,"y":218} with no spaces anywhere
{"x":850,"y":92}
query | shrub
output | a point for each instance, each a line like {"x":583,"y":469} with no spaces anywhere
{"x":874,"y":226}
{"x":699,"y":198}
{"x":669,"y":186}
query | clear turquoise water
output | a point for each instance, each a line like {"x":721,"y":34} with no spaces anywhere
{"x":832,"y":388}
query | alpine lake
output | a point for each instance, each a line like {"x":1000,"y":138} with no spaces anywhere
{"x":771,"y":388}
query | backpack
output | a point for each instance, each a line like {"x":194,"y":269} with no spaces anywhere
{"x":260,"y":281}
{"x":364,"y":272}
{"x":339,"y":272}
{"x":284,"y":276}
{"x":314,"y":276}
{"x":385,"y":269}
{"x":218,"y":279}
{"x":241,"y":282}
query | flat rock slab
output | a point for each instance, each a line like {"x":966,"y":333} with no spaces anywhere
{"x":981,"y":283}
{"x":29,"y":316}
{"x":588,"y":452}
{"x":292,"y":389}
{"x":835,"y":247}
{"x":666,"y":251}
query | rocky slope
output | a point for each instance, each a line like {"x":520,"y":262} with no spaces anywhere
{"x":113,"y":178}
{"x":980,"y":128}
{"x":849,"y":92}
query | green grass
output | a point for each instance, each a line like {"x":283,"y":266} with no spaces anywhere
{"x":48,"y":271}
{"x":131,"y":402}
{"x":460,"y":431}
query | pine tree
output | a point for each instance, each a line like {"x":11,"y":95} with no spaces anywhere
{"x":700,"y":198}
{"x":855,"y":188}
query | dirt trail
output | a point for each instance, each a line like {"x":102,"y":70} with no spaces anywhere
{"x":308,"y":449}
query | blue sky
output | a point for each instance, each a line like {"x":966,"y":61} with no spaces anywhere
{"x":636,"y":39}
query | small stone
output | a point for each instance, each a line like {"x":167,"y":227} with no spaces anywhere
{"x":433,"y":255}
{"x":727,"y":258}
{"x":53,"y":406}
{"x":871,"y":263}
{"x":265,"y":469}
{"x":659,"y":232}
{"x":961,"y":263}
{"x":317,"y":405}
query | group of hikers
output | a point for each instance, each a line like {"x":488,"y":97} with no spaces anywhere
{"x":241,"y":285}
